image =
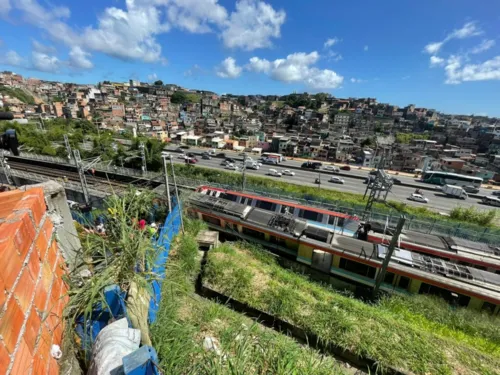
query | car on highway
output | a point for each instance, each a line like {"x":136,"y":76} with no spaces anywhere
{"x":232,"y":167}
{"x":418,"y":198}
{"x":190,"y":160}
{"x":206,"y":157}
{"x":336,"y":180}
{"x":287,"y":172}
{"x":491,"y":201}
{"x":178,"y":149}
{"x":471,"y":189}
{"x":331,"y":168}
{"x":369,"y":180}
{"x":230,"y":160}
{"x":192,"y":156}
{"x":220,"y":155}
{"x":185,"y":147}
{"x":496,"y":193}
{"x":271,"y":161}
{"x":396,"y":181}
{"x":274,"y":173}
{"x":345,"y":168}
{"x":311,"y":165}
{"x":212,"y":152}
{"x":181,"y":156}
{"x":373,"y":173}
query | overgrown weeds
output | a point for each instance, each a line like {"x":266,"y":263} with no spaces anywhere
{"x":473,"y":215}
{"x":416,"y":334}
{"x":241,"y":346}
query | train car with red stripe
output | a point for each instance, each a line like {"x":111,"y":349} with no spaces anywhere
{"x":339,"y":222}
{"x":346,"y":258}
{"x":449,"y":248}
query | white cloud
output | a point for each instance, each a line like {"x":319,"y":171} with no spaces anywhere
{"x":152,"y":77}
{"x":331,"y":42}
{"x":45,"y":63}
{"x":466,"y":31}
{"x":334,"y":56}
{"x":457,"y":73}
{"x":130,"y":32}
{"x":39,"y":47}
{"x":433,"y":48}
{"x":79,"y":59}
{"x":252,"y":25}
{"x":5,"y":7}
{"x":229,"y":69}
{"x":365,"y":48}
{"x":483,"y":46}
{"x":196,"y":16}
{"x":127,"y":34}
{"x":296,"y":67}
{"x":12,"y":58}
{"x":357,"y":80}
{"x":259,"y":65}
{"x":436,"y":61}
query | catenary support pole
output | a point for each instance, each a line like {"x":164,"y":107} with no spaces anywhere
{"x":388,"y":255}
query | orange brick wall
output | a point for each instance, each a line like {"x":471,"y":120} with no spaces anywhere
{"x":32,"y":292}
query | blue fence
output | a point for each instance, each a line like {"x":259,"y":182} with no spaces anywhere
{"x":142,"y":361}
{"x":167,"y":233}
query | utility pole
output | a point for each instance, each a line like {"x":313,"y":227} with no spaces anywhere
{"x":167,"y":188}
{"x":177,"y":194}
{"x":243,"y":180}
{"x":81,"y":173}
{"x":68,"y":147}
{"x":388,"y":255}
{"x":143,"y":157}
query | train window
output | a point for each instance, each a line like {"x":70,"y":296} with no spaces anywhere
{"x":211,"y":220}
{"x":288,"y":209}
{"x":404,"y":282}
{"x":253,"y":233}
{"x":247,"y":201}
{"x":488,"y":307}
{"x":277,"y":240}
{"x":311,"y":215}
{"x":269,"y":206}
{"x":229,"y":197}
{"x":358,"y":268}
{"x":389,"y":278}
{"x":453,"y":298}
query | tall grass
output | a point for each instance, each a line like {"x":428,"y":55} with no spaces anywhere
{"x":473,"y":215}
{"x":185,"y":319}
{"x":420,"y":335}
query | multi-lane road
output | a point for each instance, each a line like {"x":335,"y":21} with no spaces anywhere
{"x":399,"y":193}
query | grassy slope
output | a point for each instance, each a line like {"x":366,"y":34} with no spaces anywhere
{"x":17,"y":93}
{"x":415,"y":334}
{"x":185,"y":319}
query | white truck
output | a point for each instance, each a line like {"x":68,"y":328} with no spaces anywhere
{"x":454,"y":191}
{"x":250,"y":164}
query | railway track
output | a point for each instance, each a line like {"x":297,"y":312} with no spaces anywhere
{"x":71,"y":176}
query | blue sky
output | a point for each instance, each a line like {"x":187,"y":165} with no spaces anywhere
{"x":442,"y":54}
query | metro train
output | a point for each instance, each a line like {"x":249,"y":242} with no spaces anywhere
{"x":354,"y":260}
{"x":452,"y":249}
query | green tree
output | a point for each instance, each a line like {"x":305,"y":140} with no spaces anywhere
{"x":49,"y":150}
{"x":158,"y":83}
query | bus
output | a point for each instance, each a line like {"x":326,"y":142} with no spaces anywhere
{"x":270,"y":155}
{"x":445,"y":178}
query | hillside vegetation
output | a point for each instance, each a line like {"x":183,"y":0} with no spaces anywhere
{"x":17,"y":93}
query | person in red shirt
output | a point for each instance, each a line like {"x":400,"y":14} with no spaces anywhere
{"x":142,"y":224}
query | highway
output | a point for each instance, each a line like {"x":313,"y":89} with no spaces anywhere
{"x":437,"y":200}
